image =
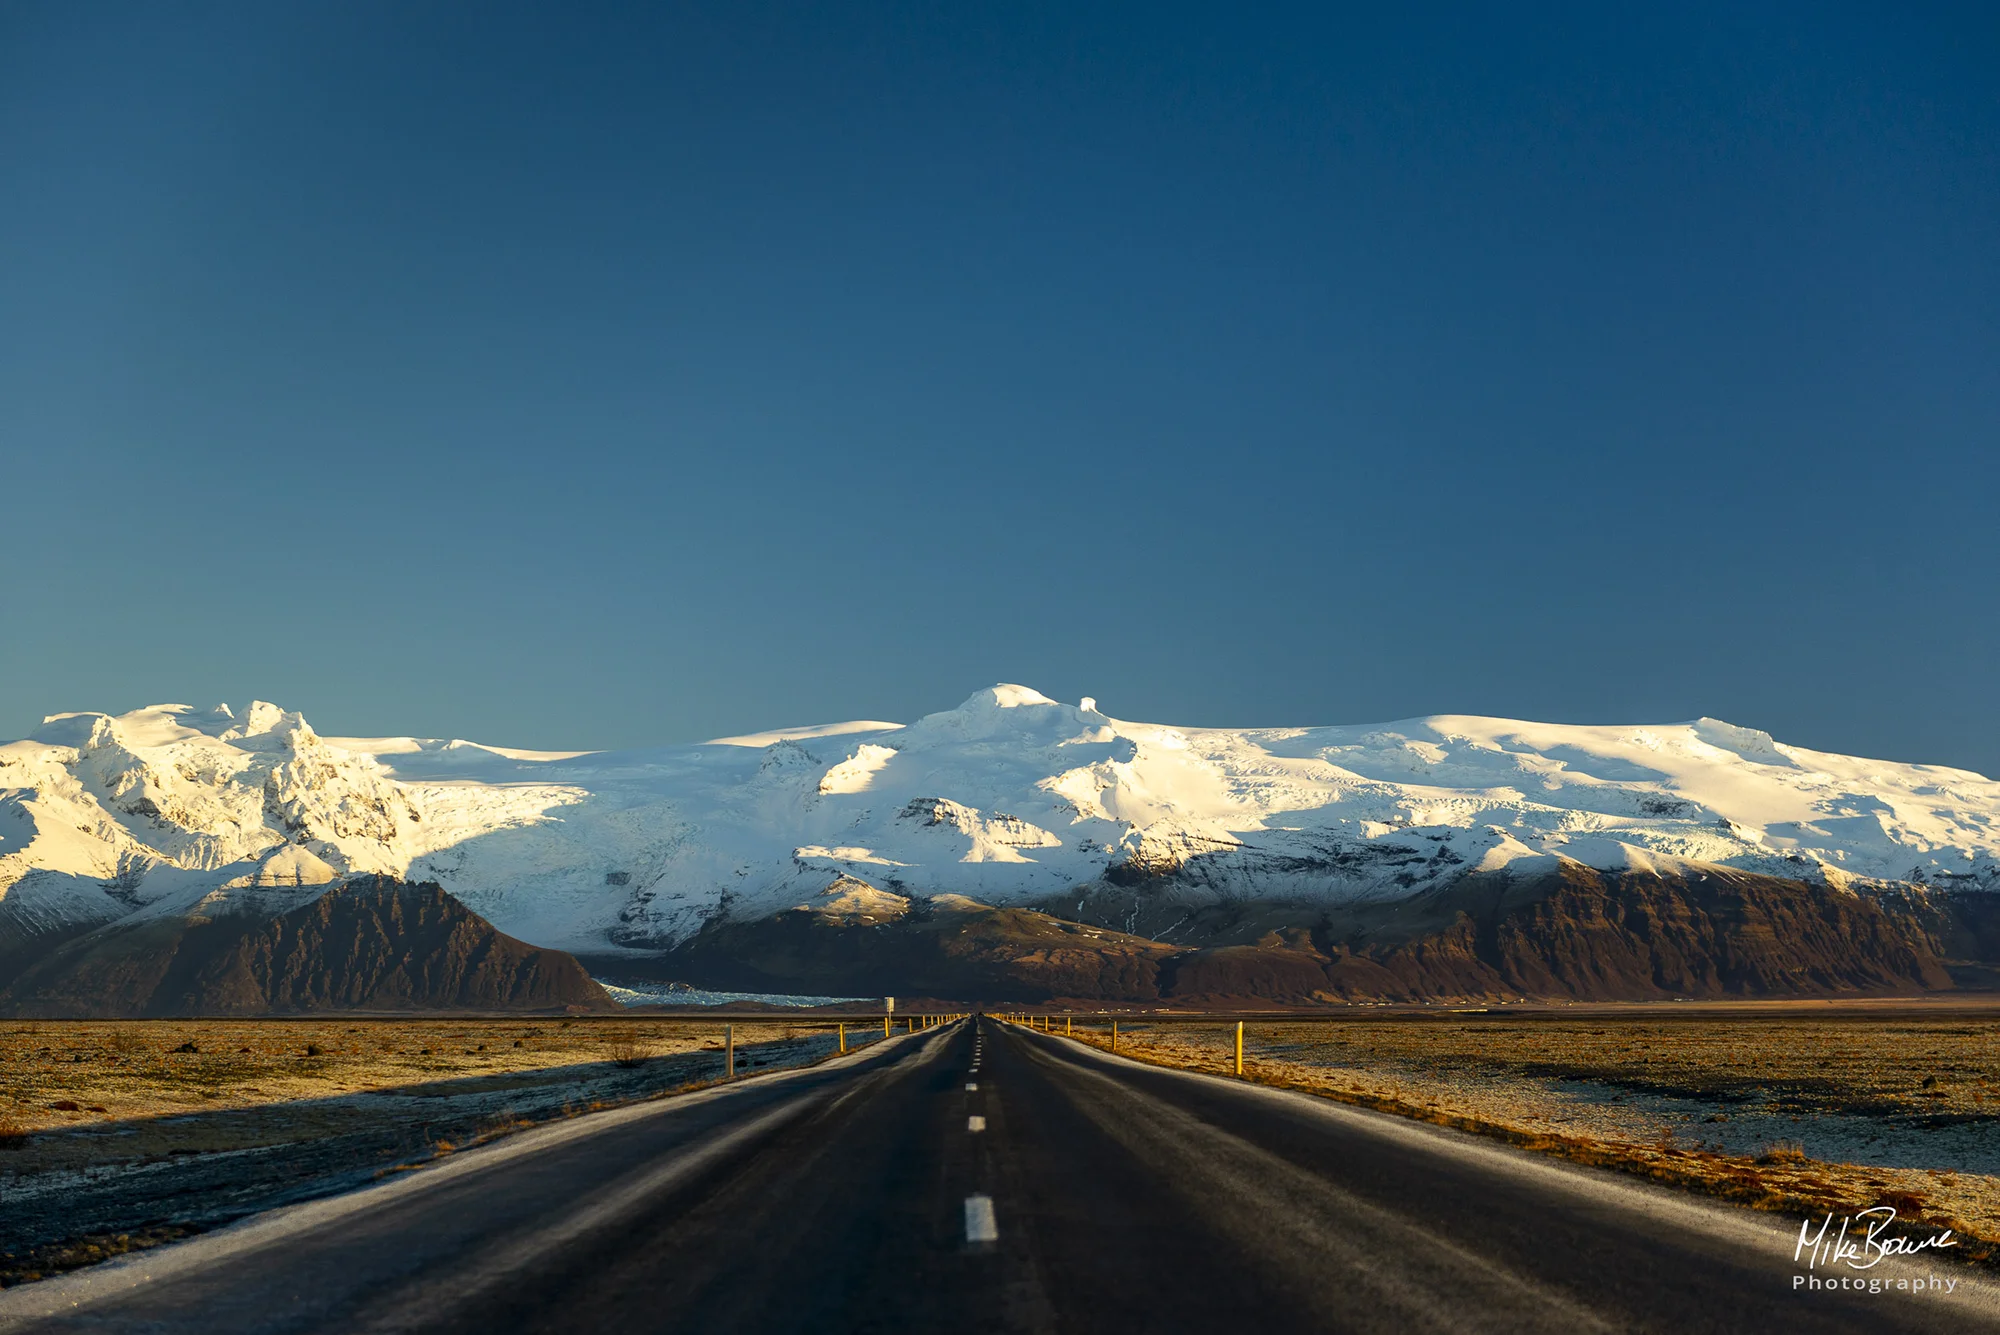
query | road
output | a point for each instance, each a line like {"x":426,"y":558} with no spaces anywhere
{"x":981,"y":1178}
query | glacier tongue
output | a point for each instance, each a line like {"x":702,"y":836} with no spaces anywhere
{"x":1009,"y":798}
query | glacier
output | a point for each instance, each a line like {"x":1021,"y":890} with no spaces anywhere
{"x":1010,"y":799}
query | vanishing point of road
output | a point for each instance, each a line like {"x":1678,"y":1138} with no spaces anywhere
{"x":981,"y":1177}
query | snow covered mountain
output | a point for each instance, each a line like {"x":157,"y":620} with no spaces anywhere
{"x":1011,"y":798}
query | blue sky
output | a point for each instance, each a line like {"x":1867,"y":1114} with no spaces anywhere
{"x":590,"y":375}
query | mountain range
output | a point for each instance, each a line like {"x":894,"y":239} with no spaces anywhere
{"x":1017,"y":846}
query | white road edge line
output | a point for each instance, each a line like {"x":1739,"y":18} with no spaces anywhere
{"x":979,"y":1223}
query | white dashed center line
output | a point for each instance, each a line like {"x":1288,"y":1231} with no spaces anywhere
{"x":975,"y":1124}
{"x":979,"y":1222}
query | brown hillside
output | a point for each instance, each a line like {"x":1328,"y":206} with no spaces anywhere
{"x":1576,"y":934}
{"x":374,"y":944}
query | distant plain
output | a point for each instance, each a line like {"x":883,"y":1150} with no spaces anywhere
{"x":123,"y":1134}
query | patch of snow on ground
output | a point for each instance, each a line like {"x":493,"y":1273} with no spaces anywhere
{"x":680,"y":994}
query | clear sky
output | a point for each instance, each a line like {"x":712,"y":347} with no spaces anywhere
{"x":574,"y":375}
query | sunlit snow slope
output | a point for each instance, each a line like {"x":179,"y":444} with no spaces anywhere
{"x":1009,"y":798}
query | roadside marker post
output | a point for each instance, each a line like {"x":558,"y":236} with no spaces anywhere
{"x":1114,"y":1035}
{"x":1239,"y":1047}
{"x":843,"y":1037}
{"x":1066,"y":1022}
{"x":728,"y":1052}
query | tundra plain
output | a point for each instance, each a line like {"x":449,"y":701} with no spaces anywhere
{"x":123,"y":1134}
{"x":116,"y":1135}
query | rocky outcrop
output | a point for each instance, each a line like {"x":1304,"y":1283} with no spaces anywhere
{"x":372,"y":944}
{"x":1583,"y":934}
{"x":950,"y":947}
{"x":1573,"y":934}
{"x":1589,"y":935}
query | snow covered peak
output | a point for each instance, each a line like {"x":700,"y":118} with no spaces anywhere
{"x":1003,"y":696}
{"x":1749,"y":744}
{"x":1011,"y":797}
{"x":110,"y":813}
{"x":167,"y":725}
{"x":263,"y":717}
{"x":1003,"y":711}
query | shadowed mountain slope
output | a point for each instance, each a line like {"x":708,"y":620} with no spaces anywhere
{"x":373,"y":944}
{"x":1577,"y":933}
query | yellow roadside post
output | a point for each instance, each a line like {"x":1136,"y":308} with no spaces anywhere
{"x":1239,"y":1047}
{"x":843,"y":1036}
{"x":1114,"y":1035}
{"x":728,"y":1052}
{"x":1066,"y":1023}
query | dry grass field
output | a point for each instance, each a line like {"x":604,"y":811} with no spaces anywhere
{"x":119,"y":1134}
{"x":1783,"y":1112}
{"x":122,"y":1134}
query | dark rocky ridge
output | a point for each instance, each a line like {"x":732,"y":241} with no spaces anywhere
{"x":379,"y":944}
{"x":371,"y":944}
{"x":1573,"y":934}
{"x":1586,"y":935}
{"x":969,"y":953}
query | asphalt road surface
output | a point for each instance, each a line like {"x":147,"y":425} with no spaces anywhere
{"x":982,"y":1178}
